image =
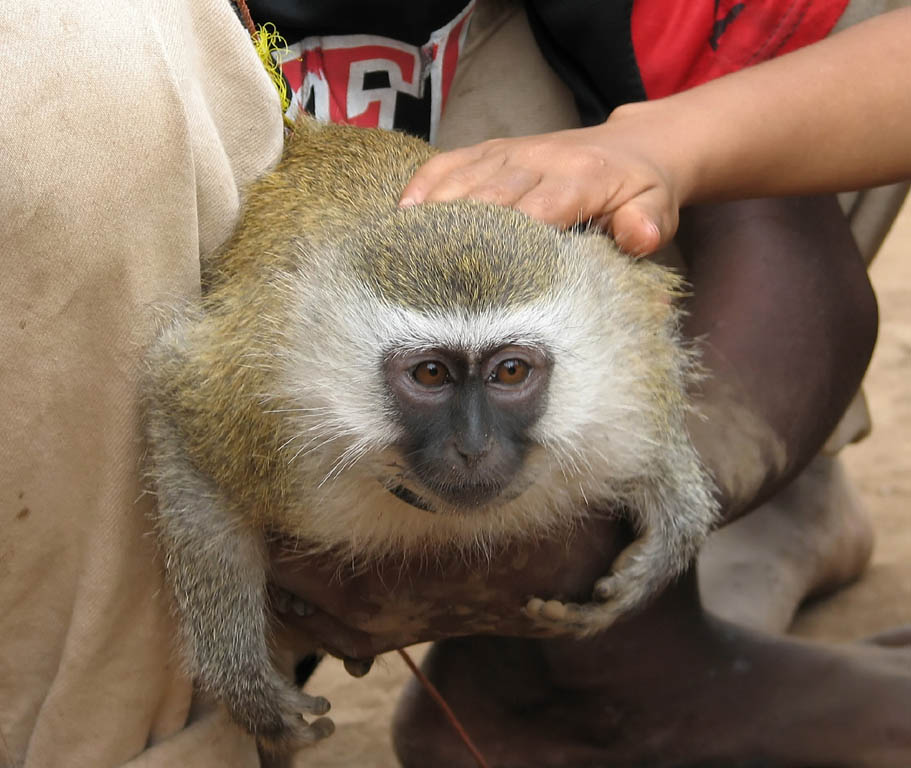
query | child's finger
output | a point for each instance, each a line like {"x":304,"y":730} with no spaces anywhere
{"x":459,"y":163}
{"x":640,"y":231}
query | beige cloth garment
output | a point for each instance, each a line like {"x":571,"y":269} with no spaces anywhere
{"x":119,"y":164}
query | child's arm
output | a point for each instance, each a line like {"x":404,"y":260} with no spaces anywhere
{"x":832,"y":116}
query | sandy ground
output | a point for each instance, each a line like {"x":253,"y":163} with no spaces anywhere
{"x":880,"y":467}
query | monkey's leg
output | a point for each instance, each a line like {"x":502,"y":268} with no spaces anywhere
{"x":216,"y":566}
{"x":812,"y":537}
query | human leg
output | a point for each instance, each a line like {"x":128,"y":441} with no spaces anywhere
{"x":811,"y":538}
{"x":812,"y":535}
{"x":671,"y":688}
{"x":815,"y":536}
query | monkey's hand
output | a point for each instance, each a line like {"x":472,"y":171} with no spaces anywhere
{"x":674,"y":512}
{"x":639,"y":573}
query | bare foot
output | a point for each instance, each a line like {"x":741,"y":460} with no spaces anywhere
{"x":671,"y":688}
{"x":813,"y":537}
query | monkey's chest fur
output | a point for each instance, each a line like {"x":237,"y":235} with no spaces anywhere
{"x":374,"y":380}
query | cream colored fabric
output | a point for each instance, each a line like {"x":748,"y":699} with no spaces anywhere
{"x":119,"y":163}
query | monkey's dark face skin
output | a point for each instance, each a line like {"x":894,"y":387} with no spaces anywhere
{"x":466,"y":419}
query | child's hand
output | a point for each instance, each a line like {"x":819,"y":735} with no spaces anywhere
{"x":597,"y":174}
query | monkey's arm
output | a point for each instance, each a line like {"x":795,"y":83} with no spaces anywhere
{"x":789,"y":319}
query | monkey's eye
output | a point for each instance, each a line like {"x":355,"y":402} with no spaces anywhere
{"x":430,"y":373}
{"x":511,"y":372}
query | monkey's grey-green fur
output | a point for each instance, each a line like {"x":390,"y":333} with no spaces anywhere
{"x":268,"y":409}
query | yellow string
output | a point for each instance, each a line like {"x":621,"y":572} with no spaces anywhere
{"x":268,"y":42}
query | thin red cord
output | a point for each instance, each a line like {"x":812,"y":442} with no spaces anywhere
{"x":441,"y":703}
{"x":245,"y":15}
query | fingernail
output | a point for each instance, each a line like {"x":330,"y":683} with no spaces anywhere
{"x":406,"y":201}
{"x":653,"y":230}
{"x":358,"y":667}
{"x":649,"y":242}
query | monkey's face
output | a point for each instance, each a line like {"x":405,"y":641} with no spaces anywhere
{"x":466,"y":419}
{"x":457,"y":374}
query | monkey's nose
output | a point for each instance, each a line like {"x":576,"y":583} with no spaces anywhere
{"x":471,"y":452}
{"x":472,"y":459}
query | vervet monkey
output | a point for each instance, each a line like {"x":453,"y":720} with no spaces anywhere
{"x":382,"y":381}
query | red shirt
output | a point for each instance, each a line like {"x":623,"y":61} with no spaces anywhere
{"x":682,"y":44}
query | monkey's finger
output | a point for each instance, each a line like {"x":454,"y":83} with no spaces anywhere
{"x":294,"y":733}
{"x":313,"y":705}
{"x":553,"y":610}
{"x":608,"y":587}
{"x":318,"y":730}
{"x":571,"y":618}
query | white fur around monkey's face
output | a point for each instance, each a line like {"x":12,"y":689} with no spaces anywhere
{"x":381,"y":475}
